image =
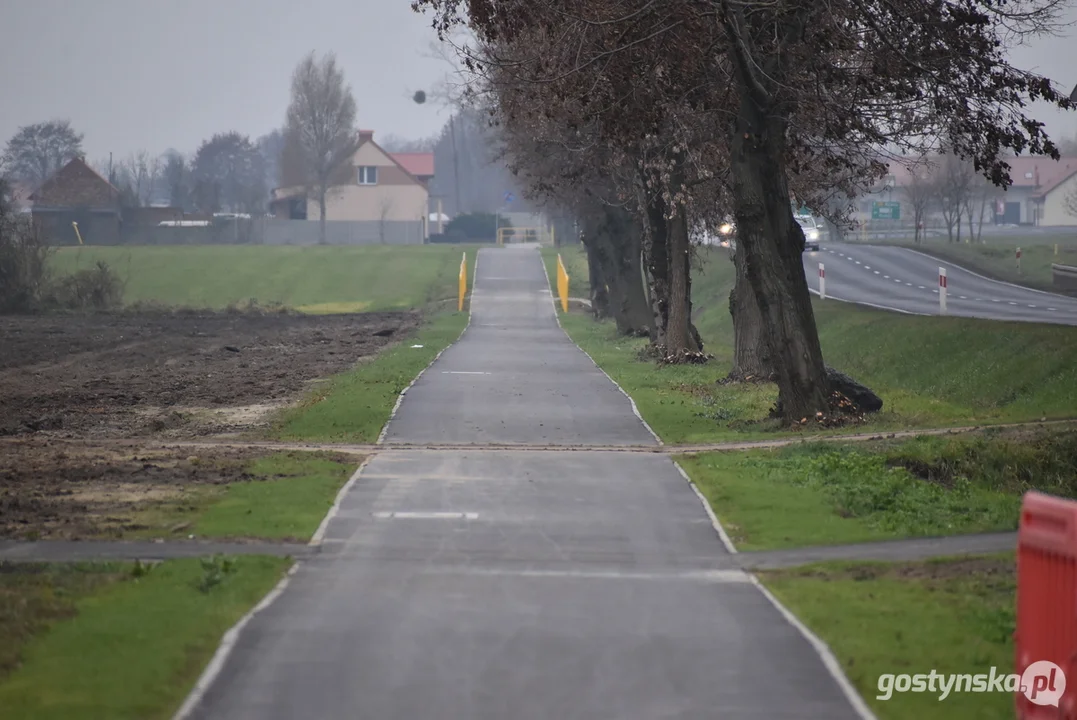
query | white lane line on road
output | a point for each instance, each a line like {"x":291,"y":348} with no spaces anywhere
{"x":824,"y":653}
{"x":1053,"y":309}
{"x":857,"y":262}
{"x":841,"y":254}
{"x":897,"y":281}
{"x":463,"y":372}
{"x":876,"y":272}
{"x":398,"y":515}
{"x":867,"y":267}
{"x":1032,"y":306}
{"x":721,"y":576}
{"x":886,"y":276}
{"x":962,"y":297}
{"x":994,"y":300}
{"x":1012,"y":303}
{"x":923,"y":288}
{"x":729,"y":546}
{"x":909,"y":284}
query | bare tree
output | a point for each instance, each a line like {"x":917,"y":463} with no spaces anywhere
{"x":320,"y":125}
{"x":955,"y":183}
{"x":37,"y":151}
{"x":976,"y":199}
{"x":921,"y":193}
{"x":177,"y":178}
{"x":138,"y":175}
{"x":384,"y":209}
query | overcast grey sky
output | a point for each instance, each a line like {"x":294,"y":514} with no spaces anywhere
{"x":154,"y":74}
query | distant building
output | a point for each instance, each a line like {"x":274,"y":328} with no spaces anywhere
{"x":77,"y":194}
{"x":377,"y":186}
{"x":1036,"y":197}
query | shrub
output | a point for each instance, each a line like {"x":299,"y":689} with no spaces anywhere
{"x":24,"y":257}
{"x":476,"y":226}
{"x":96,"y":288}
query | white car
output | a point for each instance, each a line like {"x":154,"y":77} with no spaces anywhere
{"x":812,"y":232}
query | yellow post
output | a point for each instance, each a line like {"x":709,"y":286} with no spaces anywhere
{"x":77,"y":233}
{"x":562,"y":283}
{"x":463,"y":282}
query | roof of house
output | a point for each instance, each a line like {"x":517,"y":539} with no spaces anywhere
{"x":367,"y":136}
{"x":419,"y":164}
{"x":1035,"y":172}
{"x":76,"y":184}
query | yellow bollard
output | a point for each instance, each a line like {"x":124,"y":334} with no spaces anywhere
{"x":463,"y":282}
{"x":562,"y":283}
{"x":77,"y":233}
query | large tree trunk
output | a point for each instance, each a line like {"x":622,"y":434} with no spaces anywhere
{"x":599,"y":297}
{"x":679,"y":338}
{"x":772,"y":244}
{"x":628,"y":304}
{"x":656,"y":257}
{"x":752,"y":356}
{"x":321,"y":215}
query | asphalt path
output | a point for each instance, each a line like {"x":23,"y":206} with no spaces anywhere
{"x":524,"y":583}
{"x":904,"y":280}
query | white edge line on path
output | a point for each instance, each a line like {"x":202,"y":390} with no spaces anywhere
{"x":228,"y":642}
{"x":874,"y":305}
{"x":824,"y":653}
{"x":729,"y":546}
{"x":557,"y":317}
{"x":400,"y":397}
{"x":319,"y":534}
{"x":982,"y":277}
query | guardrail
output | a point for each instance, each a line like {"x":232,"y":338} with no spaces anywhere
{"x":562,"y":283}
{"x":1064,"y":276}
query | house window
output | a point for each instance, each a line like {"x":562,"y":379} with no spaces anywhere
{"x":368,"y":175}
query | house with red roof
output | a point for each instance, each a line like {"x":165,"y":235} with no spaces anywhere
{"x":377,"y":186}
{"x":77,"y":194}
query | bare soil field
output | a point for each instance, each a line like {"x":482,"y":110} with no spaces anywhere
{"x":172,"y":374}
{"x":72,"y":490}
{"x":72,"y":386}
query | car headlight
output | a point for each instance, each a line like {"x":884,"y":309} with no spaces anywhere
{"x":813,"y":234}
{"x":725,"y":229}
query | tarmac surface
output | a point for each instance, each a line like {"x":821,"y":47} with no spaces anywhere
{"x":904,"y":280}
{"x":522,"y":584}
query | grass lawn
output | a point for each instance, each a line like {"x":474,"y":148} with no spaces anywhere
{"x":111,"y":641}
{"x":354,"y":406}
{"x":313,"y":279}
{"x":950,"y":615}
{"x":930,"y":371}
{"x":997,"y":258}
{"x":286,"y":499}
{"x":826,"y":494}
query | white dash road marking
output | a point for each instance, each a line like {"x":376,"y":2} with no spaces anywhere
{"x":1052,"y":309}
{"x":867,"y":267}
{"x":908,"y":284}
{"x":463,"y":372}
{"x":1012,"y":303}
{"x":1032,"y":306}
{"x":857,"y":262}
{"x":962,"y":297}
{"x":897,"y":281}
{"x":922,"y":287}
{"x":876,"y":272}
{"x":994,"y":300}
{"x":397,"y":515}
{"x":886,"y":276}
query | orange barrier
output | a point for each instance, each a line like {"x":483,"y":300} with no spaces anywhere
{"x":1047,"y":597}
{"x":463,"y":283}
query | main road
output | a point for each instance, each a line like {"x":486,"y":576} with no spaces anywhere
{"x":905,"y":280}
{"x":498,"y":583}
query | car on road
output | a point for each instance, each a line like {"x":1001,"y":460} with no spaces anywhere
{"x":813,"y":233}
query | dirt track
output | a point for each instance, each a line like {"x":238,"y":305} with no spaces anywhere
{"x":171,"y":374}
{"x":70,"y":383}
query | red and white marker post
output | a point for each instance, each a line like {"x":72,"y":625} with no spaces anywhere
{"x":822,"y":282}
{"x":1018,"y":259}
{"x":942,"y":291}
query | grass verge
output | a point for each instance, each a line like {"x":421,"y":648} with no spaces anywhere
{"x":285,"y":499}
{"x":114,"y":640}
{"x":313,"y":279}
{"x":930,"y":371}
{"x":827,"y":494}
{"x":354,"y":406}
{"x":950,"y":615}
{"x":998,"y":260}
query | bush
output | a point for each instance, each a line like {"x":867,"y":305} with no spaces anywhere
{"x":24,"y":256}
{"x":96,"y":288}
{"x":476,"y":226}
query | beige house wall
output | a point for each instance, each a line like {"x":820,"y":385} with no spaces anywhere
{"x":1053,"y":210}
{"x":372,"y":202}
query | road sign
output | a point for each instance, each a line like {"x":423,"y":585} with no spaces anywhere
{"x":886,"y":211}
{"x":509,"y":197}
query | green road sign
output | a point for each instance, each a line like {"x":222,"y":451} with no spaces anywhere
{"x":886,"y":211}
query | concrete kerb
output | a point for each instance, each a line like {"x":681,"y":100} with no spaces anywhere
{"x":228,"y":642}
{"x":726,"y":541}
{"x":400,"y":398}
{"x":557,"y":318}
{"x":319,"y":534}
